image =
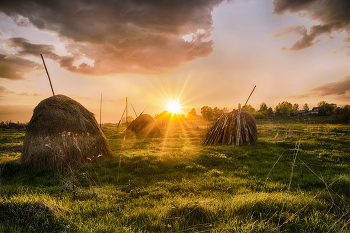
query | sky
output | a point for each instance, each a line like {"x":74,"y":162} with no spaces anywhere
{"x":199,"y":52}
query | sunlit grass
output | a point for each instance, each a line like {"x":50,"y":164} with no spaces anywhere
{"x":172,"y":183}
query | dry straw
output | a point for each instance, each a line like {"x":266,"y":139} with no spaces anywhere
{"x":233,"y":128}
{"x":63,"y":133}
{"x":144,"y":125}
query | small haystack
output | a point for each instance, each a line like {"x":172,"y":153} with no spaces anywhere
{"x":144,"y":125}
{"x":234,"y":128}
{"x":62,"y":134}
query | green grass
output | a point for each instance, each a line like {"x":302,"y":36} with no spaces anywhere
{"x":172,"y":183}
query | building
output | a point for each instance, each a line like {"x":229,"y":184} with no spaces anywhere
{"x":300,"y":113}
{"x":314,"y":110}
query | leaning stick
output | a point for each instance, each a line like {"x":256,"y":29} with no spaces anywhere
{"x":249,"y":97}
{"x":53,"y":93}
{"x":134,"y":110}
{"x":121,"y":117}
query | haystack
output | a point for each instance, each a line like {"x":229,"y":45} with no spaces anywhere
{"x":166,"y":119}
{"x":234,"y":128}
{"x":63,"y":134}
{"x":144,"y":125}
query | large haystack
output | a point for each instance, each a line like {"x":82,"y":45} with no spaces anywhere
{"x":62,"y":134}
{"x":234,"y":128}
{"x":144,"y":125}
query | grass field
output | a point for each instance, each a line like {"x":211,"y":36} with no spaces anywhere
{"x":294,"y":179}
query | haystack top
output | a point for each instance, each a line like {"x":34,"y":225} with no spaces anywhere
{"x":60,"y":113}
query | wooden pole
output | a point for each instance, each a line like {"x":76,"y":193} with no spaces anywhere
{"x":53,"y":93}
{"x":249,"y":97}
{"x":134,"y":110}
{"x":238,"y":137}
{"x":101,"y":111}
{"x":126,"y":117}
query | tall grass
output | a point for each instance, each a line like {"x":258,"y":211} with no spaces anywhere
{"x":296,"y":182}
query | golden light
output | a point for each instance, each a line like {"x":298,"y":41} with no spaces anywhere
{"x":173,"y":106}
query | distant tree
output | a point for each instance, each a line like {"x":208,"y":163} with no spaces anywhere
{"x":306,"y":107}
{"x":325,"y":108}
{"x":225,"y":110}
{"x":207,"y":113}
{"x":295,"y":107}
{"x":263,"y":107}
{"x":269,"y":111}
{"x":249,"y":108}
{"x":217,"y":112}
{"x":283,"y":109}
{"x":343,"y":113}
{"x":192,"y":114}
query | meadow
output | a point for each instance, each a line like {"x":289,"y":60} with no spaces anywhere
{"x":296,"y":178}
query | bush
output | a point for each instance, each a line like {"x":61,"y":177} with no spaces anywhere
{"x":258,"y":115}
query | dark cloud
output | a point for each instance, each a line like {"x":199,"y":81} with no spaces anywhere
{"x":339,"y":89}
{"x":121,"y":36}
{"x":27,"y":48}
{"x":14,"y":67}
{"x":333,"y":16}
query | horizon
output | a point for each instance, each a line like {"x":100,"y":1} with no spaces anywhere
{"x":208,"y":53}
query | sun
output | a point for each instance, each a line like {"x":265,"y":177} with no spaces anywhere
{"x":173,"y":106}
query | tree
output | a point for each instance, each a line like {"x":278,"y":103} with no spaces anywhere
{"x":263,"y":107}
{"x":306,"y":107}
{"x":325,"y":108}
{"x":283,"y":109}
{"x":207,"y":113}
{"x":249,"y":108}
{"x":192,"y":114}
{"x":217,"y":112}
{"x":343,"y":113}
{"x":269,"y":111}
{"x":225,"y":110}
{"x":295,"y":107}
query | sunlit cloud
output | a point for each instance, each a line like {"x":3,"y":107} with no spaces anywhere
{"x":118,"y":37}
{"x":331,"y":16}
{"x":340,"y":90}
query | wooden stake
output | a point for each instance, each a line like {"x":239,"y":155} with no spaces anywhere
{"x":134,"y":110}
{"x":238,"y":138}
{"x":53,"y":93}
{"x":247,"y":139}
{"x":126,"y":117}
{"x":101,"y":111}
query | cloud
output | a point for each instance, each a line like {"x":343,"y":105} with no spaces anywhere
{"x":339,"y":89}
{"x":14,"y":67}
{"x":27,"y":48}
{"x":288,"y":30}
{"x":4,"y":91}
{"x":134,"y":36}
{"x":333,"y":16}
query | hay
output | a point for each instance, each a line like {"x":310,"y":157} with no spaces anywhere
{"x":233,"y":128}
{"x":62,"y":134}
{"x":166,"y":119}
{"x":144,"y":125}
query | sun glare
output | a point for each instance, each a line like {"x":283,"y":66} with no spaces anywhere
{"x":173,"y":106}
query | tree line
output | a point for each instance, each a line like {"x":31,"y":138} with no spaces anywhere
{"x":283,"y":109}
